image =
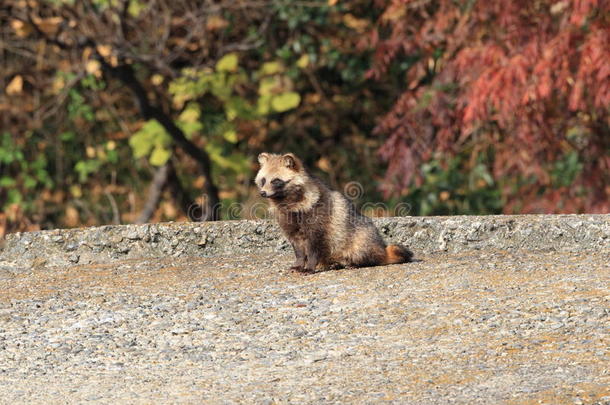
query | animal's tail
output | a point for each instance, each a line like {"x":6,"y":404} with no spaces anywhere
{"x":397,"y":254}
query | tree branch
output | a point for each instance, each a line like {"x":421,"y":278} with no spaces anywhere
{"x":126,"y":75}
{"x":180,"y":195}
{"x":154,"y":194}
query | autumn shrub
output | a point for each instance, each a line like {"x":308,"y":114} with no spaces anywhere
{"x":528,"y":82}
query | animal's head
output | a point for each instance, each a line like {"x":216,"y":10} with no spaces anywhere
{"x":278,"y":175}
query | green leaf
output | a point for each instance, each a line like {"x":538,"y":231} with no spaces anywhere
{"x":235,"y":161}
{"x":263,"y":106}
{"x":14,"y":197}
{"x":220,"y":86}
{"x":285,"y":101}
{"x":191,"y":85}
{"x":85,"y":167}
{"x":141,"y":142}
{"x":237,"y":107}
{"x":189,"y":120}
{"x":160,"y":156}
{"x":113,"y":156}
{"x":230,"y":135}
{"x":29,"y":182}
{"x":190,"y":114}
{"x":67,"y":136}
{"x":7,"y":182}
{"x":135,"y":8}
{"x":151,"y":134}
{"x":228,"y":63}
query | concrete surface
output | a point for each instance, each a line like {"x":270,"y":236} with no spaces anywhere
{"x":496,"y":310}
{"x":489,"y":327}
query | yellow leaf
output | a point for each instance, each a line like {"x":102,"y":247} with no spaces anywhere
{"x":159,"y":156}
{"x":358,"y":24}
{"x":87,"y":53}
{"x":71,"y":218}
{"x":21,"y":29}
{"x":271,"y":68}
{"x":15,"y":86}
{"x":169,"y":210}
{"x":303,"y":61}
{"x":332,"y":2}
{"x":285,"y":101}
{"x":76,"y":191}
{"x":135,"y":8}
{"x":101,"y":154}
{"x":216,"y":23}
{"x":156,"y":79}
{"x":394,"y":12}
{"x":324,"y":164}
{"x":190,"y":114}
{"x":48,"y":25}
{"x":557,"y":8}
{"x":263,"y":106}
{"x":199,"y":182}
{"x":17,"y":25}
{"x":312,"y":98}
{"x":58,"y":84}
{"x":104,"y":50}
{"x":228,"y":63}
{"x":93,"y":67}
{"x":269,"y":85}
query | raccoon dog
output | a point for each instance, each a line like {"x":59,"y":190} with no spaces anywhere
{"x":322,"y":225}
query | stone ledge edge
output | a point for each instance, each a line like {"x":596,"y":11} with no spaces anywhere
{"x":423,"y":235}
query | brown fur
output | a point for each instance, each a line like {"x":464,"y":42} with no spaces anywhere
{"x":323,"y":227}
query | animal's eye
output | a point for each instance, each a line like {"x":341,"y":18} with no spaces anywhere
{"x":277,"y":182}
{"x":263,"y":181}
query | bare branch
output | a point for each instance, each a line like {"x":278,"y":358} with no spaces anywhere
{"x":154,"y":194}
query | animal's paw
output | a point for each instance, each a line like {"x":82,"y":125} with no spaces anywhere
{"x":302,"y":270}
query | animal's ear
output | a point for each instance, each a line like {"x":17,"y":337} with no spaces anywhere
{"x":262,"y":158}
{"x":291,"y":161}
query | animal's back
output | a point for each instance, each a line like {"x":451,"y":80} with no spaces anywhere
{"x":353,"y":238}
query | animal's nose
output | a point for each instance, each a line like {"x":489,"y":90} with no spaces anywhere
{"x":263,"y":194}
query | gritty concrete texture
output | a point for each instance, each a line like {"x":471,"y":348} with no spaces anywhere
{"x":422,"y":234}
{"x":475,"y":327}
{"x":495,"y":310}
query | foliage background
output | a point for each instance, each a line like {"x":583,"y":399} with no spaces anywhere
{"x":120,"y":111}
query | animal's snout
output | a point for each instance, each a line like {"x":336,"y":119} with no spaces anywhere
{"x":263,"y":194}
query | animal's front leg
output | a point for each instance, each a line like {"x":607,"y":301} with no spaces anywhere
{"x":312,"y":258}
{"x":299,"y":253}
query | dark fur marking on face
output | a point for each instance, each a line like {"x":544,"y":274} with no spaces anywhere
{"x":288,"y":198}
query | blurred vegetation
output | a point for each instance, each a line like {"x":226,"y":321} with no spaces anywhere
{"x":122,"y":111}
